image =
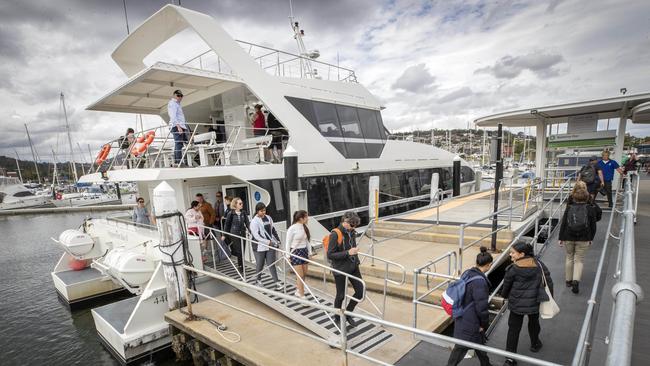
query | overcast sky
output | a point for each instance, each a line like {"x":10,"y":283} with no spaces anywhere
{"x":433,"y":63}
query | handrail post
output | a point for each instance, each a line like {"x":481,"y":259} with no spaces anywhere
{"x":344,"y":333}
{"x":510,"y":203}
{"x":461,"y":240}
{"x":415,"y":297}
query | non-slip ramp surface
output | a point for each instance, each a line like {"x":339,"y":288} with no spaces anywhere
{"x":363,"y":338}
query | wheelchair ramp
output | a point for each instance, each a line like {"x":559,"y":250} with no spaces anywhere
{"x":363,"y":338}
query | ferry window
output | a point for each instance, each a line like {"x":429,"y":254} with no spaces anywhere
{"x":328,"y":123}
{"x":306,"y":108}
{"x":356,"y":150}
{"x":369,"y":124}
{"x":361,"y":184}
{"x":317,"y":196}
{"x":23,"y":194}
{"x":340,"y":146}
{"x":466,"y":174}
{"x":349,"y":121}
{"x":382,"y":129}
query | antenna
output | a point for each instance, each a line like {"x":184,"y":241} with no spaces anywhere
{"x":126,"y":18}
{"x":305,"y":56}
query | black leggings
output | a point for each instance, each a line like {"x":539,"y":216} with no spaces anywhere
{"x":238,"y":250}
{"x":515,"y":321}
{"x":340,"y":290}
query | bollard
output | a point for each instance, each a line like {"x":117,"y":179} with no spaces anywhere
{"x":290,"y":160}
{"x":456,"y":176}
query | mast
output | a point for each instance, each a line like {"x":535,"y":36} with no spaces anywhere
{"x":34,"y":156}
{"x":81,"y":154}
{"x":67,"y":127}
{"x":55,"y":176}
{"x":483,"y":149}
{"x":305,"y":60}
{"x":18,"y":167}
{"x":91,"y":158}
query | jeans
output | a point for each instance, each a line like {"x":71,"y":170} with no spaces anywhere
{"x":575,"y":255}
{"x":515,"y":321}
{"x":458,"y":353}
{"x":180,"y":139}
{"x":269,"y":257}
{"x":340,"y":290}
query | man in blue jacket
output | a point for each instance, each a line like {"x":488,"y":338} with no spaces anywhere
{"x":608,"y":167}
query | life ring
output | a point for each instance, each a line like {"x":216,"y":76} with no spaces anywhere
{"x":58,"y":196}
{"x":142,"y":143}
{"x":103,"y":154}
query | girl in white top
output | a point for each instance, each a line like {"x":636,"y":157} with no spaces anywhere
{"x":193,"y":219}
{"x":298,"y":244}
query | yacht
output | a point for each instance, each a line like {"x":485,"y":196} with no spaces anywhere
{"x":91,"y":196}
{"x":326,"y":116}
{"x":13,"y":195}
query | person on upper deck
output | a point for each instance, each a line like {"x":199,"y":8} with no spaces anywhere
{"x":577,"y":231}
{"x":609,"y":167}
{"x":522,"y":287}
{"x":471,"y":326}
{"x":177,"y":124}
{"x":259,"y":122}
{"x":592,"y":176}
{"x":342,"y":252}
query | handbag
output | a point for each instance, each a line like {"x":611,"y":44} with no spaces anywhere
{"x":549,"y":308}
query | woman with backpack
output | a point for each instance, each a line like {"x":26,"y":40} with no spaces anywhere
{"x":474,"y":321}
{"x":522,"y":287}
{"x":266,"y":237}
{"x":577,"y":231}
{"x":342,"y":252}
{"x":237,"y":223}
{"x":298,"y":244}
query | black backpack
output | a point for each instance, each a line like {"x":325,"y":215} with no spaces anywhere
{"x":588,"y":174}
{"x":577,"y":218}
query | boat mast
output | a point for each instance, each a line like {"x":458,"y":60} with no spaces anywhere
{"x":55,"y":175}
{"x":91,"y":159}
{"x":67,"y":127}
{"x":305,"y":60}
{"x":34,"y":156}
{"x":81,"y":154}
{"x":483,"y":150}
{"x":18,"y":167}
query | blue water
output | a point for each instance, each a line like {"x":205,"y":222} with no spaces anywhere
{"x":36,"y":328}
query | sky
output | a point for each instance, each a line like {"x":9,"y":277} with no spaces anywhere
{"x":433,"y":64}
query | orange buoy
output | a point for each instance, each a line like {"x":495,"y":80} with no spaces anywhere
{"x":103,"y":154}
{"x":77,"y":264}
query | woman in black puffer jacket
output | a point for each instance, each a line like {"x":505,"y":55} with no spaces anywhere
{"x":522,"y":286}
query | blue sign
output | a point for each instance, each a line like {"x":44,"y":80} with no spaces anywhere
{"x":258,"y":196}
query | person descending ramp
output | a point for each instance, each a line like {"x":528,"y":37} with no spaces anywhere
{"x":452,"y":298}
{"x":588,"y":174}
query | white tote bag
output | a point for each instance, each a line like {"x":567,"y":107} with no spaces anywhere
{"x":547,"y":309}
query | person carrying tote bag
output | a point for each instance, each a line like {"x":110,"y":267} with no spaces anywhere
{"x":547,"y":308}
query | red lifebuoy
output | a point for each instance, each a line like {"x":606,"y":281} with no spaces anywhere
{"x":142,"y":143}
{"x":103,"y":154}
{"x":58,"y":196}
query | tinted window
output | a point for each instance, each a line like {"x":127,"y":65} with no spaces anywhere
{"x":369,"y":124}
{"x":382,"y":129}
{"x":276,"y":190}
{"x":466,"y":174}
{"x":356,"y":150}
{"x":328,"y":123}
{"x":318,"y":195}
{"x":306,"y":108}
{"x":23,"y":194}
{"x":349,"y":122}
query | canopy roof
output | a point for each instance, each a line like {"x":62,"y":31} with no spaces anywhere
{"x":638,"y":109}
{"x":149,"y":91}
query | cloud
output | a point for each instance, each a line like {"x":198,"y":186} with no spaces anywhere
{"x":509,"y":67}
{"x":414,"y":79}
{"x":456,"y":94}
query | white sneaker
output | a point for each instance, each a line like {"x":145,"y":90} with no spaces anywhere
{"x":297,"y":294}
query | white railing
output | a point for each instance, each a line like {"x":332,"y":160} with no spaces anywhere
{"x":275,"y":62}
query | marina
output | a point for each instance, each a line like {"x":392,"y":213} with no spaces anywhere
{"x":272,"y":218}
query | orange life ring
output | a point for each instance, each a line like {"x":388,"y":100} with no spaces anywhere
{"x":143,"y":143}
{"x":103,"y":154}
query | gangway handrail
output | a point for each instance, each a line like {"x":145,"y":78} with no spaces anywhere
{"x":343,"y":343}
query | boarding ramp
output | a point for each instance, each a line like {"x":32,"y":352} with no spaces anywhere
{"x":362,"y":338}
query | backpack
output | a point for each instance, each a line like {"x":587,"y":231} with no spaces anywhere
{"x":588,"y":174}
{"x":339,"y":239}
{"x":577,"y":218}
{"x":452,"y":298}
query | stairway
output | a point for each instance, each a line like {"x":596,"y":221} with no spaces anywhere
{"x":363,"y":338}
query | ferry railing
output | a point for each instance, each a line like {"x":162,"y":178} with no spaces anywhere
{"x":426,"y":270}
{"x":274,"y":62}
{"x":627,"y":293}
{"x":342,"y":343}
{"x":163,"y":146}
{"x":284,"y":258}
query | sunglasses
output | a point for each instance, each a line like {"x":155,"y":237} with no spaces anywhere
{"x":140,"y":201}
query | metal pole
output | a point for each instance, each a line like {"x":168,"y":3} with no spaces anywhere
{"x":290,"y":159}
{"x":497,"y":182}
{"x":31,"y":146}
{"x":461,"y":239}
{"x":456,"y":176}
{"x":18,"y":167}
{"x":67,"y":127}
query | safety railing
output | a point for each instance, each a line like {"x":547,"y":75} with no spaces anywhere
{"x":127,"y":221}
{"x":215,"y":235}
{"x":418,"y":299}
{"x":277,"y":63}
{"x":202,"y":144}
{"x":342,"y":342}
